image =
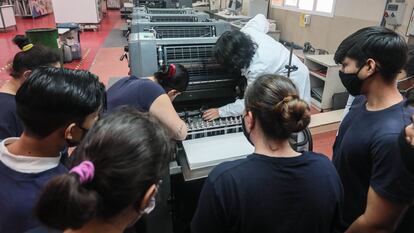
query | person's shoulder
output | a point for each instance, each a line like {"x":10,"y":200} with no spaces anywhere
{"x":122,"y":82}
{"x":151,"y":86}
{"x":226,"y":169}
{"x":318,"y":158}
{"x":7,"y":101}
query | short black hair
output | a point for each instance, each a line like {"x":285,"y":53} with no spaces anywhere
{"x":37,"y":56}
{"x":130,"y":151}
{"x":383,"y":45}
{"x":234,"y":50}
{"x":178,"y":80}
{"x":52,"y":97}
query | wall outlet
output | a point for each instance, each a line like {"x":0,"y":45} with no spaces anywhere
{"x":307,"y":19}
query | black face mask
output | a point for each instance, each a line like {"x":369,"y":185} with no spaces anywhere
{"x":351,"y":82}
{"x":407,"y":152}
{"x":246,"y":134}
{"x":72,"y":143}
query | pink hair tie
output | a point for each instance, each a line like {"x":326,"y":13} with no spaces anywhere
{"x":171,"y":71}
{"x":85,"y":170}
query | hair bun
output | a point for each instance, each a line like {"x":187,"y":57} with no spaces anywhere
{"x":21,"y":41}
{"x":294,"y":113}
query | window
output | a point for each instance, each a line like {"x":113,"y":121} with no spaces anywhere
{"x":291,"y":2}
{"x":317,"y":7}
{"x":324,"y":6}
{"x":306,"y":5}
{"x":277,"y":2}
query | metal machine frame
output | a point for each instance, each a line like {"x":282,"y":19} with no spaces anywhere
{"x":168,"y":11}
{"x":164,"y":3}
{"x":212,"y":28}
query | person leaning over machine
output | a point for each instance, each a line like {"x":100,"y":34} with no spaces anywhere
{"x":24,"y":62}
{"x":154,"y":95}
{"x":57,"y":106}
{"x":275,"y":189}
{"x":378,"y":188}
{"x":254,"y":53}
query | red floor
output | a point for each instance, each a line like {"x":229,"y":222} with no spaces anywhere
{"x":104,"y":61}
{"x":91,"y":41}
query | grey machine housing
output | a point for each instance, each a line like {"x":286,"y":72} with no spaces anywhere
{"x":169,"y":15}
{"x":147,"y":55}
{"x":210,"y":28}
{"x":207,"y":79}
{"x":164,"y":3}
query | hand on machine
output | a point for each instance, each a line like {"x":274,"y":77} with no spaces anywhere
{"x":211,"y":114}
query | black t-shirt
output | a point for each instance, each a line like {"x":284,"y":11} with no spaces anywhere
{"x":132,"y":91}
{"x":267,"y":194}
{"x":10,"y":125}
{"x":366,"y":153}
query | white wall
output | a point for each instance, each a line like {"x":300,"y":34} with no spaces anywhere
{"x":328,"y":32}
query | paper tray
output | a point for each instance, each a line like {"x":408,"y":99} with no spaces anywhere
{"x":210,"y":151}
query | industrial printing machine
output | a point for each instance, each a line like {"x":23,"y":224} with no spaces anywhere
{"x":163,"y":30}
{"x":169,"y":15}
{"x":207,"y":143}
{"x":163,"y":3}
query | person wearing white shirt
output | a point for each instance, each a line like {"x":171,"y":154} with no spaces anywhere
{"x":254,"y":53}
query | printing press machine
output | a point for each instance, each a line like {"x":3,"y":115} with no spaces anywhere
{"x":169,"y":15}
{"x":164,"y":15}
{"x":210,"y":28}
{"x":163,"y":3}
{"x":207,"y":143}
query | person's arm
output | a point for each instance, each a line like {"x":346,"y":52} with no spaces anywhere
{"x":391,"y":187}
{"x":258,"y":23}
{"x":380,"y":216}
{"x":233,"y":109}
{"x":164,"y":111}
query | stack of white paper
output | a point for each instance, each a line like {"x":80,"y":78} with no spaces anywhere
{"x":210,"y":151}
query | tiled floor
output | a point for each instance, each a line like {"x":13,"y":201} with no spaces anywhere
{"x":101,"y":51}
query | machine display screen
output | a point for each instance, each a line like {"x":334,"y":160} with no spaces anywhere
{"x":392,"y":7}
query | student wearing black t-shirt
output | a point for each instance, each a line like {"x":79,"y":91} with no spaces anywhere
{"x":275,"y":189}
{"x":378,"y":188}
{"x":119,"y":167}
{"x":154,"y":95}
{"x":57,"y":106}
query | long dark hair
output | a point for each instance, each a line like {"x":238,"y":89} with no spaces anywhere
{"x":172,"y":77}
{"x":130,"y":151}
{"x":274,"y":101}
{"x":36,"y":56}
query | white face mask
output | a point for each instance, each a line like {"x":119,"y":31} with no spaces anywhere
{"x":150,"y":207}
